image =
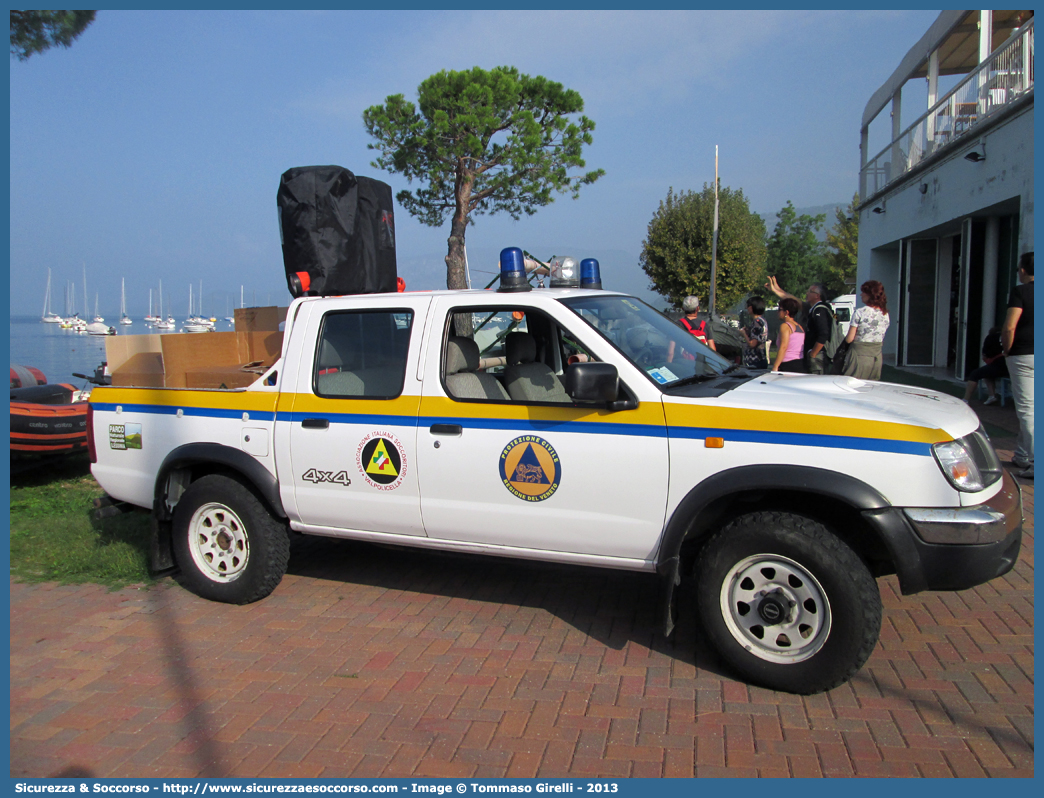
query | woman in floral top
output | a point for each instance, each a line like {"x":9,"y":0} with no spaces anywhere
{"x":754,"y":355}
{"x":866,"y":334}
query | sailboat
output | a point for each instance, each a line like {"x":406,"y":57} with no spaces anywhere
{"x":67,"y":320}
{"x":195,"y":323}
{"x":80,"y":325}
{"x":48,"y":315}
{"x":150,"y":318}
{"x":161,"y":322}
{"x":97,"y":319}
{"x":124,"y":318}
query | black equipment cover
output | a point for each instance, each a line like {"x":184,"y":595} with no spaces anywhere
{"x":338,"y":228}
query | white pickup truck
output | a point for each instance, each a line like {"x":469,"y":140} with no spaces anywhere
{"x":575,"y":426}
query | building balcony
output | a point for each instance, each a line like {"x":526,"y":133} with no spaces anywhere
{"x":1002,"y":81}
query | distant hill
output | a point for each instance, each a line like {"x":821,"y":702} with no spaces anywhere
{"x":771,"y":219}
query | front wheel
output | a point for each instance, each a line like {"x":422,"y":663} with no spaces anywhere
{"x":226,"y":542}
{"x":787,"y":603}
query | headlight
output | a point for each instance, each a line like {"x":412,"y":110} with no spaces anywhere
{"x":958,"y":464}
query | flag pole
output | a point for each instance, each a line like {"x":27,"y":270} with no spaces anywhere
{"x":714,"y":242}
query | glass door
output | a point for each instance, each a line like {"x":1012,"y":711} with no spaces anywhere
{"x":919,"y":317}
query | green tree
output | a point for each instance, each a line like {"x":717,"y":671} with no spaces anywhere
{"x":481,"y":142}
{"x":36,"y":31}
{"x":676,"y":253}
{"x":794,"y":253}
{"x":843,"y":244}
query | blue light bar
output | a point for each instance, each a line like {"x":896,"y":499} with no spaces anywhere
{"x":513,"y":271}
{"x":590,"y":274}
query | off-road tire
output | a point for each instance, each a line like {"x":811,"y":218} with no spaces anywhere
{"x":791,"y":566}
{"x":227,"y":544}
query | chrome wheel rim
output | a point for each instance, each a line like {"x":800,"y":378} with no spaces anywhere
{"x":775,"y":608}
{"x":218,"y":542}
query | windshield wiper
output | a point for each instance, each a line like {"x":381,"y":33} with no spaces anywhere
{"x":697,"y":378}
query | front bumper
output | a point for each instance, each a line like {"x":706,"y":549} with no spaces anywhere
{"x":953,"y":548}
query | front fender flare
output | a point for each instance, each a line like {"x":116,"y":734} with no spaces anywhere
{"x":802,"y":479}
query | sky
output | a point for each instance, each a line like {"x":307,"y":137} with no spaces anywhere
{"x":152,"y":148}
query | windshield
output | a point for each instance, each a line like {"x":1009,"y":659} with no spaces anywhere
{"x":667,"y":353}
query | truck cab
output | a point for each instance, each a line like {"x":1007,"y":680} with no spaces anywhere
{"x":576,"y":426}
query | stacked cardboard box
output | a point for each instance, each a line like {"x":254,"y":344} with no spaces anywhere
{"x":201,"y":360}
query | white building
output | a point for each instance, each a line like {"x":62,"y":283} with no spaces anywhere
{"x":947,"y":205}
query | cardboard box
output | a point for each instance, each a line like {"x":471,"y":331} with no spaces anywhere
{"x":135,"y":360}
{"x":258,"y":319}
{"x":144,"y":369}
{"x":196,"y":360}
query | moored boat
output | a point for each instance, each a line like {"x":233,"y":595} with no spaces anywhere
{"x":46,"y":419}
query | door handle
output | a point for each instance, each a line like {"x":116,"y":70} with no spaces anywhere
{"x":446,"y":429}
{"x":315,"y":423}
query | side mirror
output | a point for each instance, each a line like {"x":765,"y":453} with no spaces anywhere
{"x":592,"y":382}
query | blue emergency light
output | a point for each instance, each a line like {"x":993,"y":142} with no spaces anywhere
{"x":513,"y":271}
{"x":590,"y":275}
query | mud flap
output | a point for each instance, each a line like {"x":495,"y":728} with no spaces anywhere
{"x":161,"y":552}
{"x":671,"y":577}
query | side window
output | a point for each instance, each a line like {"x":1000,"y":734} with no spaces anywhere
{"x":514,"y":354}
{"x":362,"y":354}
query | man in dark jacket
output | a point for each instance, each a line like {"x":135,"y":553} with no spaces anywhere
{"x":817,"y":318}
{"x":1017,"y":336}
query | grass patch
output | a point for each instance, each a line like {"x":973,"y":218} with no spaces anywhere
{"x":54,"y":537}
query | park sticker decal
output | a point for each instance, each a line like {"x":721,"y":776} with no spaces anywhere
{"x":530,"y":468}
{"x":125,"y":436}
{"x":381,"y":458}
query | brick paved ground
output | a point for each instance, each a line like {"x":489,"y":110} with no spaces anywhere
{"x":371,"y":661}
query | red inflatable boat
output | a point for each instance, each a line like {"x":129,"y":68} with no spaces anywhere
{"x":46,"y":419}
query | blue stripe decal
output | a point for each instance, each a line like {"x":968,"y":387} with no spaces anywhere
{"x":806,"y":439}
{"x":529,"y":425}
{"x":202,"y":412}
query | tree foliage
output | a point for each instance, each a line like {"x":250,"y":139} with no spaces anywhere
{"x":843,"y":243}
{"x":676,"y":253}
{"x":37,"y":31}
{"x":795,"y":255}
{"x":481,"y":142}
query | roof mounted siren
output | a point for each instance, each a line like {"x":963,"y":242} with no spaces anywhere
{"x":590,"y":274}
{"x":565,"y":272}
{"x":513,"y":271}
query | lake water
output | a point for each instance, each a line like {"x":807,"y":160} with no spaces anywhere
{"x":59,"y":353}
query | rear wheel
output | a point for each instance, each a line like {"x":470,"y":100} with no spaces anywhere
{"x":787,"y":603}
{"x":226,"y":542}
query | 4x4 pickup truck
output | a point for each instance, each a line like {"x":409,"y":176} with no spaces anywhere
{"x":575,"y":426}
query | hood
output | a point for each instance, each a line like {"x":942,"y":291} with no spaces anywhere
{"x":857,"y":400}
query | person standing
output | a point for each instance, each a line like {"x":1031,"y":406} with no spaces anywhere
{"x":691,"y":322}
{"x":866,"y":334}
{"x":697,"y":328}
{"x":754,"y":355}
{"x":1017,"y":338}
{"x":817,"y":318}
{"x":791,"y":341}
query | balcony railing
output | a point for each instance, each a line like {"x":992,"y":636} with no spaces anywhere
{"x":1003,"y":78}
